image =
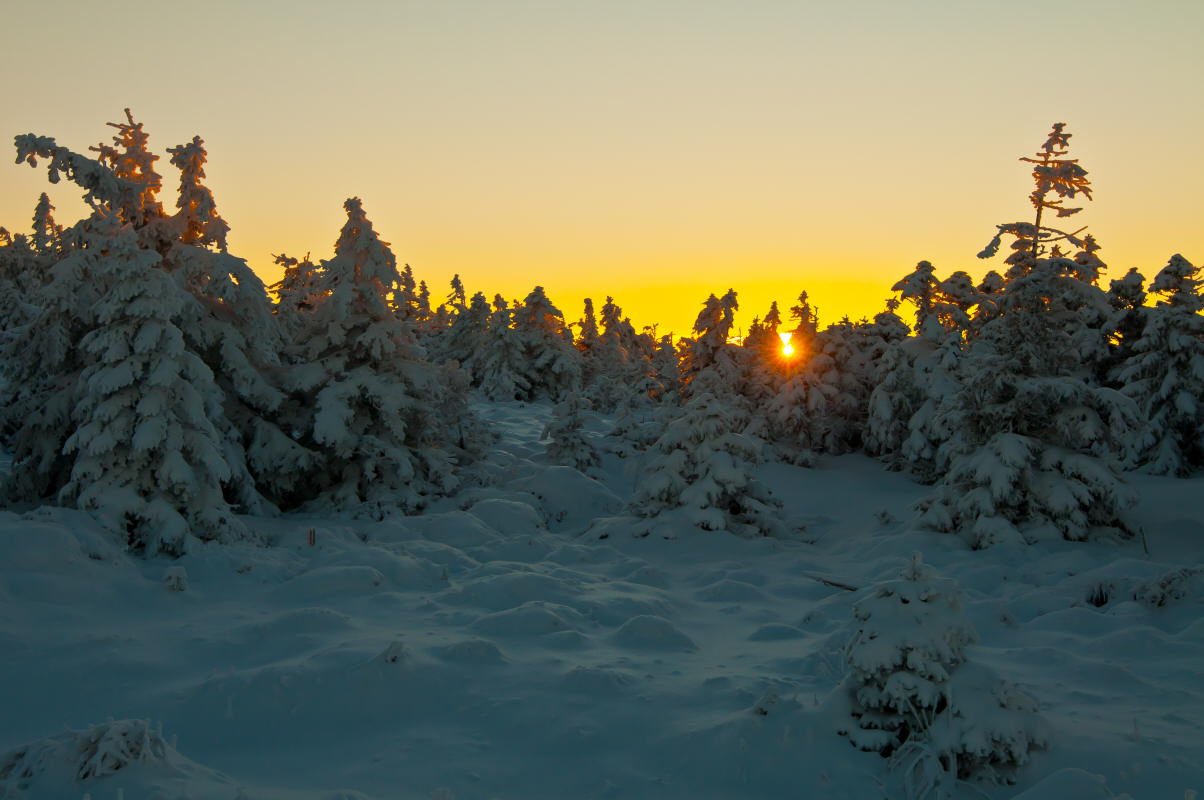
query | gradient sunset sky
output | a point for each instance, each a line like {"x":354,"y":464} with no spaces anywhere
{"x":654,"y":150}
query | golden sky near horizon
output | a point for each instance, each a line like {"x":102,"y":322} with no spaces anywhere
{"x":655,"y":150}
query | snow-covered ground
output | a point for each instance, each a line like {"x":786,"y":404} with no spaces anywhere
{"x":497,"y":647}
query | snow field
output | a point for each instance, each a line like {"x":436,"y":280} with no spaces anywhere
{"x":496,"y":647}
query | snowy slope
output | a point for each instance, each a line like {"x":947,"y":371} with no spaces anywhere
{"x":497,"y":647}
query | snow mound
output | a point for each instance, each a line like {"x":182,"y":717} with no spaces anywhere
{"x":1071,"y":784}
{"x":453,"y":528}
{"x":68,"y":764}
{"x":331,"y":582}
{"x":775,"y":632}
{"x":404,"y":572}
{"x":730,"y":591}
{"x":596,"y":681}
{"x":295,"y":621}
{"x":613,"y":606}
{"x":38,"y":547}
{"x":501,"y":592}
{"x":470,"y":651}
{"x":649,"y":632}
{"x":534,"y":618}
{"x":508,"y":517}
{"x":570,"y":499}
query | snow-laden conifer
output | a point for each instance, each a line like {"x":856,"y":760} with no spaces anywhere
{"x":587,"y":327}
{"x":621,"y":373}
{"x":196,"y":221}
{"x":1032,"y":440}
{"x":41,"y":366}
{"x":465,"y":339}
{"x":47,"y":238}
{"x":458,"y":299}
{"x":296,"y":291}
{"x":710,"y":352}
{"x":147,"y":457}
{"x":1165,"y":374}
{"x":528,"y":352}
{"x":367,"y":402}
{"x":915,"y":697}
{"x":501,"y":368}
{"x":552,"y":363}
{"x":820,"y":407}
{"x":702,"y":471}
{"x":568,"y":443}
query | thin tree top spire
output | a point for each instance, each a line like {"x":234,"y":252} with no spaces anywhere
{"x":1052,"y":173}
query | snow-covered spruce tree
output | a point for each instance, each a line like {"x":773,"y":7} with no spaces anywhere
{"x":665,"y":362}
{"x":642,"y":420}
{"x":296,"y":292}
{"x":552,"y":363}
{"x":568,"y":443}
{"x":25,"y":265}
{"x":465,"y":339}
{"x":914,"y":697}
{"x":622,"y":373}
{"x":47,"y":238}
{"x":588,"y":327}
{"x":226,"y":318}
{"x":767,"y":361}
{"x":1031,"y":439}
{"x":820,"y":408}
{"x":916,"y":374}
{"x":227,"y":321}
{"x":723,"y":367}
{"x":16,"y":258}
{"x":366,"y":401}
{"x":42,"y":355}
{"x":702,"y":470}
{"x":1165,"y":374}
{"x":1126,"y":297}
{"x":197,"y":221}
{"x":147,"y":458}
{"x":41,"y":366}
{"x":905,"y":425}
{"x":921,"y":287}
{"x":500,"y":369}
{"x":458,"y":299}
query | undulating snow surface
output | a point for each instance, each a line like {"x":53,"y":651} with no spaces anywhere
{"x":519,"y":642}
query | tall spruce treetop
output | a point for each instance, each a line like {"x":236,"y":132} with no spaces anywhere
{"x":132,"y":161}
{"x":47,"y":235}
{"x":197,"y":219}
{"x":589,"y":326}
{"x":921,"y":286}
{"x":806,"y":318}
{"x":457,"y":299}
{"x":1053,"y":174}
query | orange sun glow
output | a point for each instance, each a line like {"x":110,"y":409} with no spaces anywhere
{"x":787,"y":348}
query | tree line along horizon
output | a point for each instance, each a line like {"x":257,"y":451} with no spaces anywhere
{"x":152,"y":379}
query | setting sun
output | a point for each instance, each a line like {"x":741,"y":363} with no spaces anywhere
{"x":787,"y":348}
